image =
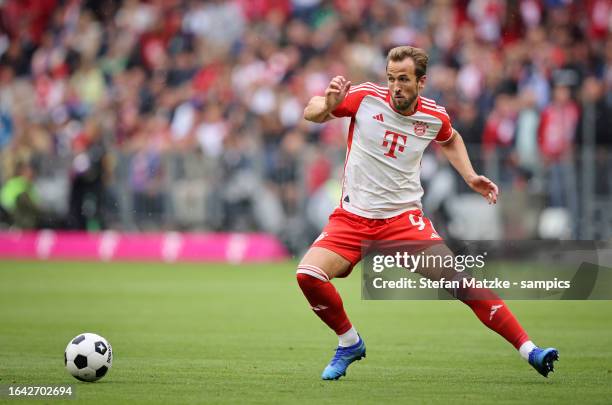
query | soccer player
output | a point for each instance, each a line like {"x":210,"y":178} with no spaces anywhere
{"x":390,"y":128}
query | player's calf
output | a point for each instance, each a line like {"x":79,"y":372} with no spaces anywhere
{"x":323,"y":298}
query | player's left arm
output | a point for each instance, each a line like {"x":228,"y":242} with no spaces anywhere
{"x":456,"y":153}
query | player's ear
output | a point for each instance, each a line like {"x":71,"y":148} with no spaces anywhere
{"x":421,"y":82}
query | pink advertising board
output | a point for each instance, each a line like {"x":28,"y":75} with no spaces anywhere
{"x":117,"y":246}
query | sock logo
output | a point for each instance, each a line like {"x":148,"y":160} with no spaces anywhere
{"x":319,"y":307}
{"x":494,"y":309}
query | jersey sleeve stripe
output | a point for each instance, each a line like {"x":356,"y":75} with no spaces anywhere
{"x":371,"y":93}
{"x":372,"y":86}
{"x":364,"y":87}
{"x":436,"y":107}
{"x":433,"y":109}
{"x":425,"y":102}
{"x":351,"y":91}
{"x":382,"y":88}
{"x":368,"y":84}
{"x":432,"y":104}
{"x":428,"y":100}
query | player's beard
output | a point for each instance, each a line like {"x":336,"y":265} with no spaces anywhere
{"x":403,"y":105}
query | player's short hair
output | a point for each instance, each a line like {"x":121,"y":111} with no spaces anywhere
{"x":418,"y":55}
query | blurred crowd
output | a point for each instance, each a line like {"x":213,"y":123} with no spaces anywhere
{"x":114,"y":87}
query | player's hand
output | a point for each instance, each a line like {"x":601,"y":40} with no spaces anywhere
{"x":484,"y":187}
{"x":336,"y":91}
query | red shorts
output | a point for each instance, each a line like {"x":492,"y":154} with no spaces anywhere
{"x":346,"y":233}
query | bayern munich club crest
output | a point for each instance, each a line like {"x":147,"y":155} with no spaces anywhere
{"x":419,"y":128}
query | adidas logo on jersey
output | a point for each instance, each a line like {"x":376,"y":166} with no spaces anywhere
{"x":379,"y":117}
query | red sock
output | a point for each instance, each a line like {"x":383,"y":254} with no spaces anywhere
{"x":493,"y":312}
{"x":323,"y":298}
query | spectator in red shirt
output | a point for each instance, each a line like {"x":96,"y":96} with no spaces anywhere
{"x":556,"y":136}
{"x":558,"y":126}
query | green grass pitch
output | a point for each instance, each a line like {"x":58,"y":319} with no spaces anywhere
{"x":201,"y":333}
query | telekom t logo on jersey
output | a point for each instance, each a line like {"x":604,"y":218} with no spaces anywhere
{"x":393,"y":141}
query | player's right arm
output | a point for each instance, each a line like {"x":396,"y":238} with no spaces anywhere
{"x":319,"y":108}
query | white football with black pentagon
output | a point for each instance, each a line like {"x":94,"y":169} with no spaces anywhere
{"x":88,"y":357}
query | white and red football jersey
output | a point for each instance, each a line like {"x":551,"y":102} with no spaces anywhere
{"x":383,"y":157}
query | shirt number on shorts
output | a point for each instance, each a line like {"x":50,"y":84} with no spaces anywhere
{"x":417,"y":221}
